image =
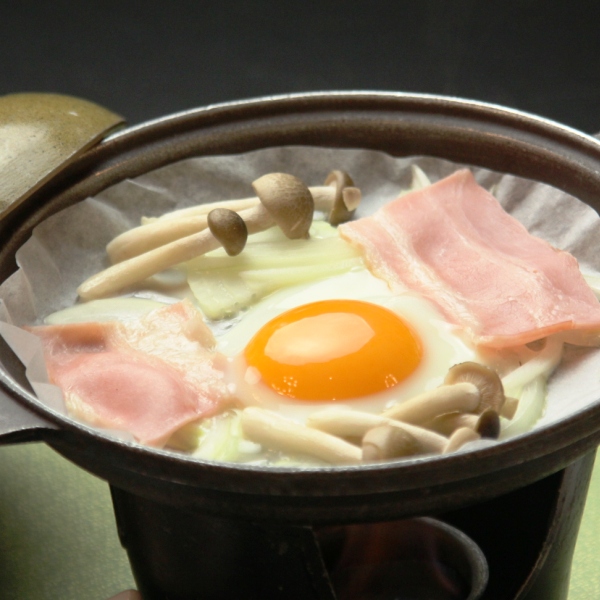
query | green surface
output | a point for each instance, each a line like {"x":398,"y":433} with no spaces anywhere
{"x":585,"y":574}
{"x":58,"y":539}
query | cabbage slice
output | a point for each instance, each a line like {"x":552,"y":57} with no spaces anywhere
{"x":105,"y":309}
{"x":528,"y":383}
{"x":224,"y":285}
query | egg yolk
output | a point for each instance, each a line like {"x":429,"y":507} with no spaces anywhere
{"x":334,"y":350}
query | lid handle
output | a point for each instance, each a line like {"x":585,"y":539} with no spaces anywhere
{"x":40,"y":134}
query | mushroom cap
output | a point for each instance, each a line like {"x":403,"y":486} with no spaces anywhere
{"x":347,"y":197}
{"x":289,"y":202}
{"x":488,"y":424}
{"x":487,"y":380}
{"x":229,"y":228}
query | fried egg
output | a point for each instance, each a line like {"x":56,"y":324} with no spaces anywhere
{"x":345,"y":341}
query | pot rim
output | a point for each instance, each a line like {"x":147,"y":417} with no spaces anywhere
{"x":550,"y":448}
{"x":344,"y":94}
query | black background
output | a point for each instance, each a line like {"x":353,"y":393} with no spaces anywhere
{"x":147,"y":59}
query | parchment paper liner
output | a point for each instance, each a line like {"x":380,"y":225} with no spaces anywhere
{"x":70,"y":246}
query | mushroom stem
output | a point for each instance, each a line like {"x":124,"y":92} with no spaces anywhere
{"x":323,"y":196}
{"x":458,"y":397}
{"x":199,"y":210}
{"x":185,"y":222}
{"x":271,"y":429}
{"x":459,"y":438}
{"x":345,"y":422}
{"x":285,"y":202}
{"x":487,"y":424}
{"x":386,"y":442}
{"x":136,"y":269}
{"x":448,"y":423}
{"x":487,"y":381}
{"x":257,"y":219}
{"x":139,"y":240}
{"x":142,"y":239}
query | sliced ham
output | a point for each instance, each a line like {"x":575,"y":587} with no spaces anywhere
{"x":454,"y":244}
{"x":149,"y":377}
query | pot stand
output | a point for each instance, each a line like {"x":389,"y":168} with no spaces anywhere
{"x":528,"y":536}
{"x":177,"y":554}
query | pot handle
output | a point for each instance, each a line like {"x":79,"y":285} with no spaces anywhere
{"x":18,"y":424}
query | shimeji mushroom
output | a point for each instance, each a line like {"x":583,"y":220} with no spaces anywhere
{"x":462,"y":397}
{"x":338,"y":198}
{"x":459,"y":438}
{"x":350,"y":423}
{"x":382,"y":438}
{"x":487,"y":381}
{"x":486,"y":424}
{"x":397,"y":440}
{"x":274,"y":431}
{"x":285,"y":201}
{"x":345,"y":200}
{"x":338,"y":188}
{"x":469,"y":387}
{"x":386,"y":442}
{"x":229,"y":229}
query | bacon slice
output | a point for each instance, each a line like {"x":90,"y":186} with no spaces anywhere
{"x":454,"y":244}
{"x":149,"y":377}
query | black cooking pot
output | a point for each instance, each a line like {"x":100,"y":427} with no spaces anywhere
{"x":401,"y":125}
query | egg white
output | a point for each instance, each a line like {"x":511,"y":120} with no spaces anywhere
{"x":442,"y":348}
